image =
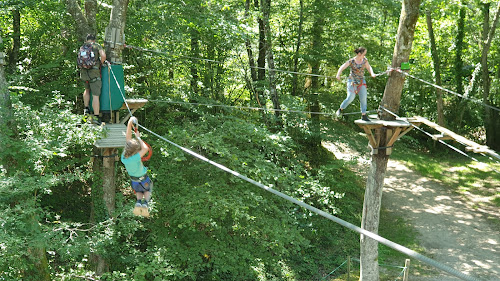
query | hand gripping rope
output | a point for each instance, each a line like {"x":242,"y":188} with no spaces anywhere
{"x":150,"y":149}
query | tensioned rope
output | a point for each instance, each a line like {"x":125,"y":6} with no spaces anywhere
{"x":257,"y":108}
{"x":220,"y":62}
{"x":310,"y":74}
{"x":342,"y":222}
{"x":446,"y":90}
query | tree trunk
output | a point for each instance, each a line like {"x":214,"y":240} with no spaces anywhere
{"x":297,"y":50}
{"x":195,"y":53}
{"x":459,"y":65}
{"x":266,"y":7}
{"x":16,"y":36}
{"x":261,"y":59}
{"x":437,"y":69}
{"x":491,"y":117}
{"x":115,"y":31}
{"x":312,"y":82}
{"x":251,"y":61}
{"x":7,"y":122}
{"x":85,"y":22}
{"x":391,"y":100}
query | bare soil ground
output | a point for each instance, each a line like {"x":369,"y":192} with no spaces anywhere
{"x":451,"y":228}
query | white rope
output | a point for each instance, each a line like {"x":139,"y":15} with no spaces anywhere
{"x":220,"y":62}
{"x":446,"y":90}
{"x":257,"y":108}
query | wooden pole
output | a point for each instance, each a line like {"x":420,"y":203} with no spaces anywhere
{"x":407,"y":268}
{"x":348,"y":268}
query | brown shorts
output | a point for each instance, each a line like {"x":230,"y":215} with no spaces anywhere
{"x":92,"y":80}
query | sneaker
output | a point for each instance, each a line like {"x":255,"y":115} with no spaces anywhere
{"x":86,"y":111}
{"x":145,"y":205}
{"x":96,"y":120}
{"x":365,"y":118}
{"x":339,"y":112}
{"x":138,"y":204}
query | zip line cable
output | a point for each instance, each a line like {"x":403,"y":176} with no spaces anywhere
{"x":342,"y":222}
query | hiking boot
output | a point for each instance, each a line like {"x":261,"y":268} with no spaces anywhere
{"x":339,"y":112}
{"x":365,"y":118}
{"x":86,"y":111}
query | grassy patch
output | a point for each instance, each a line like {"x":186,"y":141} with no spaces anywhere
{"x":459,"y":173}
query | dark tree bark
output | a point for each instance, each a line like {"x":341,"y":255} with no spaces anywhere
{"x":391,"y":100}
{"x":16,"y":38}
{"x":437,"y":69}
{"x":248,"y":45}
{"x":195,"y":49}
{"x":312,"y":82}
{"x":491,"y":116}
{"x":297,"y":50}
{"x":266,"y":9}
{"x":459,"y":65}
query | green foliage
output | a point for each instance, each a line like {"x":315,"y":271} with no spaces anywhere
{"x":207,"y":224}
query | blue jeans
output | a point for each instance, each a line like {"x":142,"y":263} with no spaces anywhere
{"x":351,"y":93}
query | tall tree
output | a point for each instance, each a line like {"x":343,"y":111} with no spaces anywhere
{"x":297,"y":49}
{"x":459,"y":64}
{"x":391,"y":100}
{"x":266,"y":11}
{"x":314,"y":62}
{"x":491,"y":117}
{"x":6,"y":114}
{"x":437,"y":68}
{"x":85,"y":19}
{"x":16,"y":36}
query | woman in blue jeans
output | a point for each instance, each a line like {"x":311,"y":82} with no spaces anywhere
{"x":356,"y":83}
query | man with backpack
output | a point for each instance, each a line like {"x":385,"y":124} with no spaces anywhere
{"x":90,"y":58}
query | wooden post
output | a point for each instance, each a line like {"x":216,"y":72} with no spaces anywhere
{"x":348,"y":268}
{"x":108,"y":181}
{"x":407,"y":268}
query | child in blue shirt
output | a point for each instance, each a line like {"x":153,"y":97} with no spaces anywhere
{"x":135,"y":148}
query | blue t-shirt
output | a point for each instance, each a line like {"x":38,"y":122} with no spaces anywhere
{"x":134,"y":165}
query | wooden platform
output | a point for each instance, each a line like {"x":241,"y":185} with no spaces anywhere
{"x":113,"y":136}
{"x":133,"y":105}
{"x":395,"y":129}
{"x":447,"y":134}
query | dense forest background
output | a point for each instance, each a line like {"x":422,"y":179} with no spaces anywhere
{"x":206,"y":224}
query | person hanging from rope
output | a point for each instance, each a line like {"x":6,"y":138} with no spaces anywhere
{"x":142,"y":185}
{"x":356,"y":83}
{"x":90,"y":57}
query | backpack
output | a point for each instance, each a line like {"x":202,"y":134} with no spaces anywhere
{"x":86,"y":57}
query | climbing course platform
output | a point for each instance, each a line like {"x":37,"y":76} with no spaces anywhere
{"x":113,"y":136}
{"x":114,"y":133}
{"x":395,"y":129}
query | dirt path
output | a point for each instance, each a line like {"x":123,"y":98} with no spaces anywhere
{"x":448,"y":229}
